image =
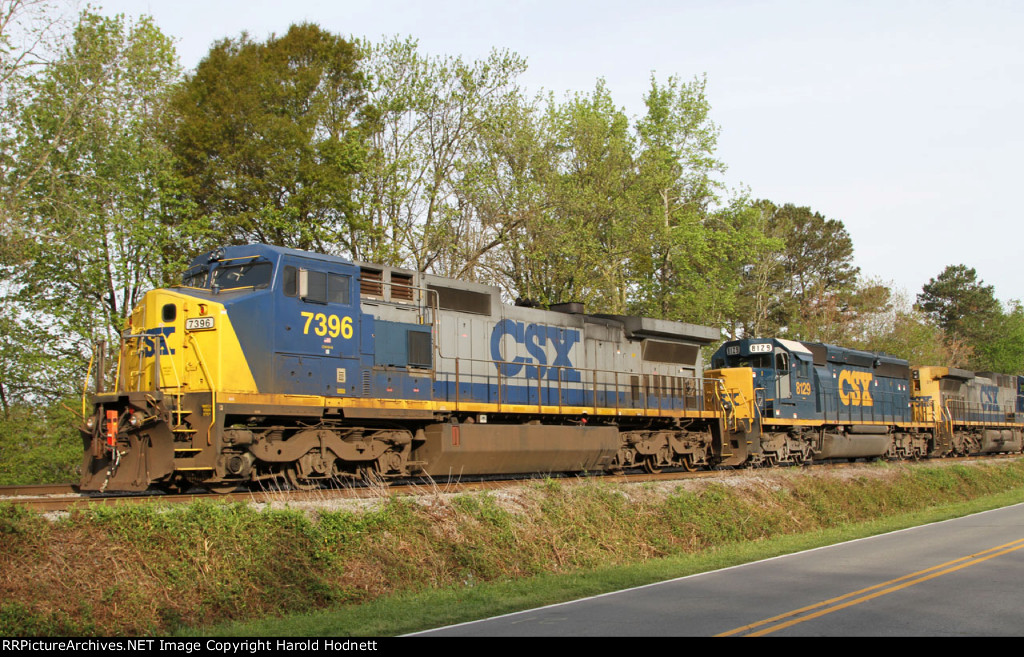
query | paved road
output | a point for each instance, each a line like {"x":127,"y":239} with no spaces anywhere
{"x":962,"y":577}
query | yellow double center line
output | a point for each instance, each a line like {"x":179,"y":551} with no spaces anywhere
{"x":842,"y":602}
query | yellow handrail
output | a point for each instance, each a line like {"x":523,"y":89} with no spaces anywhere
{"x":213,"y":388}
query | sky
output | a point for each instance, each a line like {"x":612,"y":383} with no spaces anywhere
{"x":903,"y":119}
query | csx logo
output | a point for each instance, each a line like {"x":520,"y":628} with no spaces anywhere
{"x":855,"y":388}
{"x":989,"y":398}
{"x":536,"y":338}
{"x":732,"y":397}
{"x":160,"y":335}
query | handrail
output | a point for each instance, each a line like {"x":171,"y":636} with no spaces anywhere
{"x":549,"y":385}
{"x":962,"y":410}
{"x":213,"y":387}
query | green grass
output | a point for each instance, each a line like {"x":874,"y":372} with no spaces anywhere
{"x":406,"y":613}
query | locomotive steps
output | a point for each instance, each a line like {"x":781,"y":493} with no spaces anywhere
{"x":397,"y":564}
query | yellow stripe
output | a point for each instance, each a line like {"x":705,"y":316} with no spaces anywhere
{"x":779,"y":421}
{"x":989,"y":424}
{"x":271,"y":400}
{"x":886,"y":587}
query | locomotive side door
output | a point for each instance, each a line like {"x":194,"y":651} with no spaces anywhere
{"x":316,"y":341}
{"x":783,"y":385}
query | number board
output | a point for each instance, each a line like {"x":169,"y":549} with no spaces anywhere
{"x":198,"y":323}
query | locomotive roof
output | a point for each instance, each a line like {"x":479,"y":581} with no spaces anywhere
{"x":824,"y":352}
{"x":268,"y":251}
{"x":649,"y":327}
{"x":845,"y":354}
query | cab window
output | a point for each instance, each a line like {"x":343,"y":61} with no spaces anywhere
{"x":317,"y":286}
{"x":339,"y":288}
{"x":255,"y":275}
{"x":195,"y":278}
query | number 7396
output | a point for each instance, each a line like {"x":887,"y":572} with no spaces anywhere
{"x":327,"y":325}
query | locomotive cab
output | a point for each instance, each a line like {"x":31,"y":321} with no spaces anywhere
{"x":826,"y":401}
{"x":782,"y":373}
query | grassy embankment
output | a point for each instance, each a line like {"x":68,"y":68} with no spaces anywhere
{"x":405,"y":564}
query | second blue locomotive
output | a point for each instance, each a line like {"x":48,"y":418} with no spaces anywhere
{"x":812,"y":400}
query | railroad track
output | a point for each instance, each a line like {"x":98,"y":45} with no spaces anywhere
{"x":37,"y":490}
{"x":66,"y":497}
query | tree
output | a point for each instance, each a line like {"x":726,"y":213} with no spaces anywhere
{"x":844,"y":317}
{"x":904,"y":331}
{"x":269,"y":138}
{"x":97,"y":204}
{"x":556,"y":182}
{"x":760,"y":302}
{"x":1003,"y":350}
{"x":417,"y":195}
{"x":965,"y":307}
{"x":675,"y":192}
{"x":30,"y":30}
{"x":591,"y":200}
{"x":800,"y":289}
{"x":958,"y":302}
{"x":507,"y":186}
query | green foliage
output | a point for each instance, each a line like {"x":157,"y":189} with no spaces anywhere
{"x":30,"y":31}
{"x":625,"y":219}
{"x":807,"y":287}
{"x":39,"y":445}
{"x":268,"y":137}
{"x":1003,"y":349}
{"x":904,"y":331}
{"x":590,"y":199}
{"x":420,"y":191}
{"x":963,"y":307}
{"x":16,"y":522}
{"x":96,"y":203}
{"x":684,"y":255}
{"x":20,"y":620}
{"x":958,"y":302}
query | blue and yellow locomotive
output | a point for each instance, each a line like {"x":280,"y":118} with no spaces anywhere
{"x":974,"y":413}
{"x":795,"y":401}
{"x":274,"y":363}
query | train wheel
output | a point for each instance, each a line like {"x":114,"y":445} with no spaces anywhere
{"x":688,"y":463}
{"x":298,"y":482}
{"x":651,"y":464}
{"x":221,"y":489}
{"x":371,"y":474}
{"x":173,"y":487}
